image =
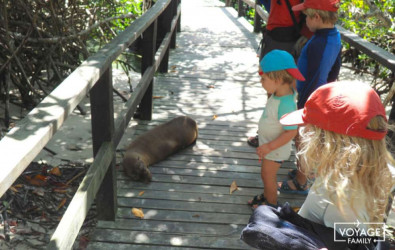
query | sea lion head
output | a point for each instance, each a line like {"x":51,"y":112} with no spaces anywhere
{"x":136,"y":169}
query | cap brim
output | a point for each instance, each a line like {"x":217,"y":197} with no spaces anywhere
{"x":299,"y":7}
{"x":296,"y":73}
{"x":293,"y":118}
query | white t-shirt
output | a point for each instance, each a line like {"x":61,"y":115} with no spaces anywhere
{"x":319,"y":208}
{"x":270,"y":127}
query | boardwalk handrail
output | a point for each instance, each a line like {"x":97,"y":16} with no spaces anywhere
{"x":23,"y":143}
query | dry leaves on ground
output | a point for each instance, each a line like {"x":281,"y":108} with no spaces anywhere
{"x":32,"y":207}
{"x":233,"y":187}
{"x":138,"y":212}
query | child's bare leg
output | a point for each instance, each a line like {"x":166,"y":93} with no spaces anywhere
{"x":269,"y":177}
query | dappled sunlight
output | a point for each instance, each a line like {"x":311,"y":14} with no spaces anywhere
{"x":142,"y":238}
{"x":150,"y":214}
{"x":176,"y":178}
{"x":176,"y":241}
{"x":218,"y":195}
{"x":130,"y":194}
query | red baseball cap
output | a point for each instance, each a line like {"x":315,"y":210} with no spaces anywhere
{"x":328,"y":5}
{"x":344,"y":107}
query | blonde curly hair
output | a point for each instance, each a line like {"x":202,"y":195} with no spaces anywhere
{"x":350,"y":168}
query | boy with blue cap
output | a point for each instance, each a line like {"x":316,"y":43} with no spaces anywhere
{"x":278,"y":73}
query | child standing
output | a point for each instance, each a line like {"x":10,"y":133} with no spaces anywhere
{"x":283,"y":32}
{"x":320,"y":58}
{"x":343,"y":143}
{"x":278,"y":73}
{"x":319,"y":62}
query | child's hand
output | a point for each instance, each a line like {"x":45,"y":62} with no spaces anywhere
{"x":263,"y":150}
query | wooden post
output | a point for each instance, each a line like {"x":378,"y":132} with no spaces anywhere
{"x":179,"y":18}
{"x":164,"y":24}
{"x":102,"y":107}
{"x":174,"y":5}
{"x":228,"y":3}
{"x":240,"y":8}
{"x":257,"y":19}
{"x":149,"y":49}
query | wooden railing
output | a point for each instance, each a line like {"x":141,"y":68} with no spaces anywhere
{"x":380,"y":55}
{"x":23,"y":143}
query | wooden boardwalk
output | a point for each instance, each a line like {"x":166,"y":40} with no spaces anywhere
{"x":213,"y":79}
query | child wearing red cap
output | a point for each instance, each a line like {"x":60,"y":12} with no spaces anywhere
{"x":343,"y":143}
{"x":278,"y":74}
{"x":319,"y":63}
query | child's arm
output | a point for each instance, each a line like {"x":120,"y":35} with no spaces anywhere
{"x":284,"y":138}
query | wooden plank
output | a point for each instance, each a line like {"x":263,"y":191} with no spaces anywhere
{"x":172,"y":227}
{"x":180,"y":240}
{"x":227,"y":161}
{"x":219,"y":166}
{"x":184,"y":206}
{"x":215,"y":76}
{"x":205,"y":173}
{"x":219,"y":153}
{"x":192,"y":188}
{"x":224,"y":199}
{"x":199,"y":173}
{"x":187,"y":216}
{"x":185,"y":196}
{"x":214,"y":159}
{"x":188,"y":38}
{"x":212,"y":181}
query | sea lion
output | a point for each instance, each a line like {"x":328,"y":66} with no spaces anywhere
{"x":156,"y":145}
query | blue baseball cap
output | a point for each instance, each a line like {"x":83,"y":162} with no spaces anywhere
{"x":277,"y":60}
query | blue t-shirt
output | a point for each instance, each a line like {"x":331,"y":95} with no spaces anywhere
{"x":319,"y":62}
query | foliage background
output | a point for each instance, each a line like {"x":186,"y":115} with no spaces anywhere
{"x":43,"y":41}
